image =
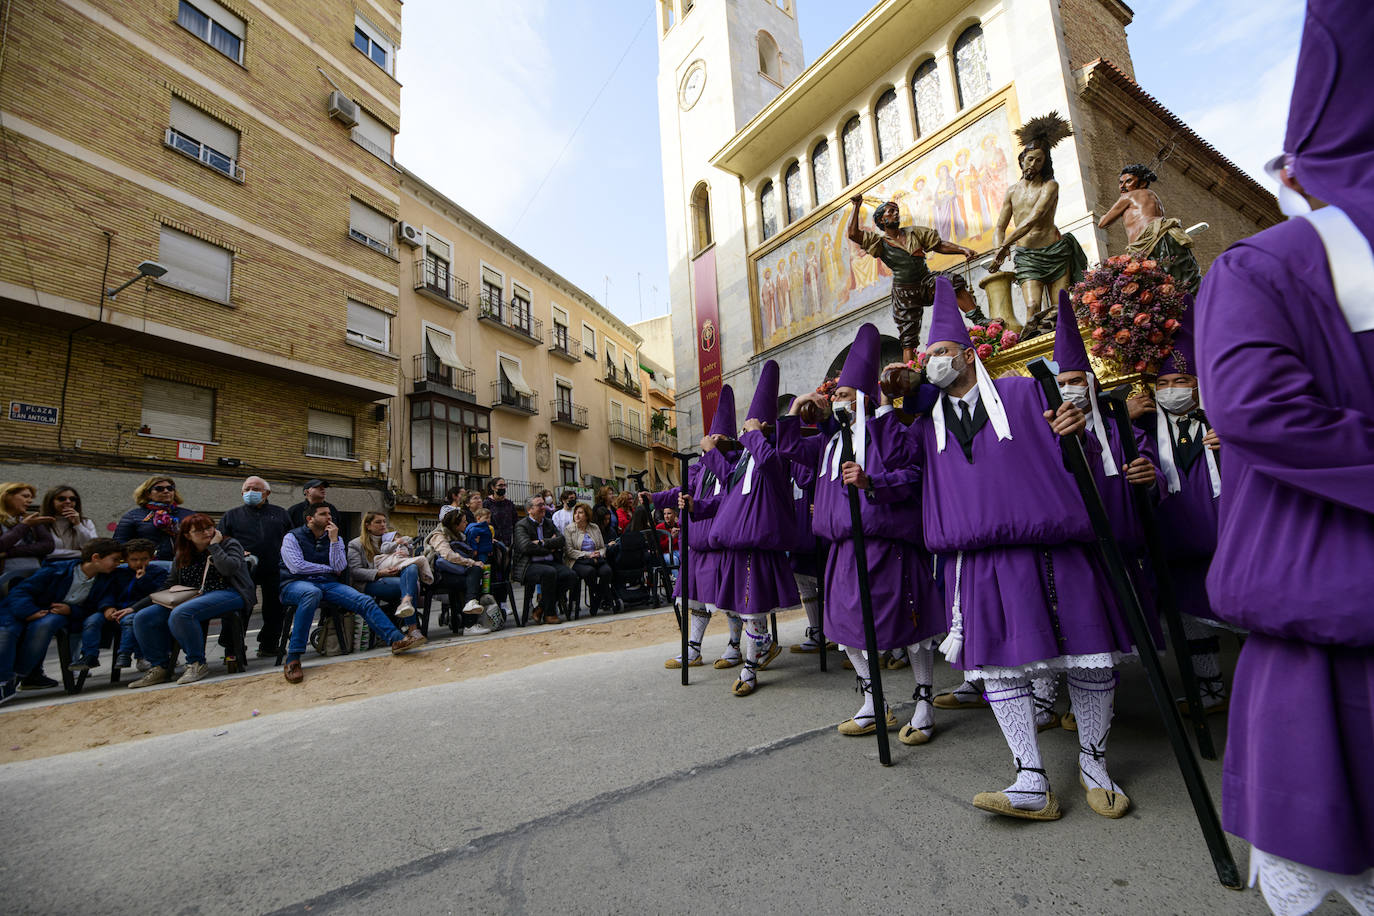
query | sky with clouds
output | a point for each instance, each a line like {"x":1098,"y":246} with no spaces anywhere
{"x":541,"y":116}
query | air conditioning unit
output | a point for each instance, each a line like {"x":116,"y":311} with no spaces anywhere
{"x":482,"y":448}
{"x":342,"y":108}
{"x":410,"y":234}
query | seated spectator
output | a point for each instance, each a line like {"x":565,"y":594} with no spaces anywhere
{"x":458,"y":571}
{"x":44,"y":603}
{"x":204,"y":559}
{"x":539,"y":560}
{"x":259,"y":525}
{"x":480,"y":535}
{"x":670,"y":538}
{"x":586,"y":554}
{"x":475,"y":502}
{"x":134,"y":582}
{"x":603,"y":513}
{"x":564,"y":516}
{"x":70,"y":528}
{"x":313,"y":562}
{"x":372,"y":572}
{"x":155,"y":516}
{"x":624,"y":510}
{"x":457,"y":499}
{"x":25,"y":537}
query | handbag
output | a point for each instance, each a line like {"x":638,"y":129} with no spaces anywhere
{"x":180,"y":594}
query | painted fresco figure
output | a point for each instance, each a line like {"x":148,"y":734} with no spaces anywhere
{"x":904,"y":252}
{"x":1149,"y":233}
{"x":1045,"y":261}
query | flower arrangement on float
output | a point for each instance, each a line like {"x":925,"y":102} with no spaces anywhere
{"x":1133,"y":308}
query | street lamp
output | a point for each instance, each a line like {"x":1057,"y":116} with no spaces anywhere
{"x":150,"y":269}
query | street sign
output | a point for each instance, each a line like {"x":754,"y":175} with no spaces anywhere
{"x":33,"y":413}
{"x":190,"y":451}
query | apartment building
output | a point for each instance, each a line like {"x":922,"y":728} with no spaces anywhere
{"x":507,"y":369}
{"x":218,"y":154}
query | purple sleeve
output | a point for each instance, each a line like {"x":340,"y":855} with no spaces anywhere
{"x":756,"y":443}
{"x":798,"y":448}
{"x":664,"y":499}
{"x":1266,"y":402}
{"x":716,"y":463}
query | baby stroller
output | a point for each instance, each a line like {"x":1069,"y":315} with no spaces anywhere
{"x":631,"y":560}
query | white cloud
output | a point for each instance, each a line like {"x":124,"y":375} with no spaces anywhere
{"x":477,"y":120}
{"x":1248,"y":127}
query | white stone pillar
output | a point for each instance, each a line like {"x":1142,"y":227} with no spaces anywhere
{"x":907,"y":112}
{"x":944,"y":63}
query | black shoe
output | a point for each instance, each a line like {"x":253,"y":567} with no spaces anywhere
{"x":37,"y":681}
{"x":266,"y":651}
{"x":6,"y":691}
{"x":84,"y":663}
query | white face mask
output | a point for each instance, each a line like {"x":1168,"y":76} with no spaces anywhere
{"x":941,"y":371}
{"x":1077,"y":395}
{"x":1176,"y":400}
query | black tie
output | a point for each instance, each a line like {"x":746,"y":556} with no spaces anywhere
{"x":738,"y":471}
{"x":966,"y":420}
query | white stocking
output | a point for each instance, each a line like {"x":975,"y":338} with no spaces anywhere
{"x":1090,"y":692}
{"x":923,"y":667}
{"x":859,"y":659}
{"x":1014,"y":706}
{"x":756,"y":643}
{"x":696,"y":629}
{"x":1045,"y":688}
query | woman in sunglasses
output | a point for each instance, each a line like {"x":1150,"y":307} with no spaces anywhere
{"x":155,"y":516}
{"x":71,"y":529}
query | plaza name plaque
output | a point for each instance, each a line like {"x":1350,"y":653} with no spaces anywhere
{"x":33,"y":413}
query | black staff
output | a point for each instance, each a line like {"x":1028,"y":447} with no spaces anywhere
{"x":820,"y":599}
{"x":1164,"y":585}
{"x":856,"y":521}
{"x":1076,"y":459}
{"x":683,"y":578}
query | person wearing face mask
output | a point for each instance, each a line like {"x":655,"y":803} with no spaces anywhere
{"x":259,"y":526}
{"x":753,"y":516}
{"x":1026,"y":591}
{"x":1188,"y":511}
{"x":706,"y":478}
{"x":1285,"y":328}
{"x":502,"y":512}
{"x":908,"y":613}
{"x":564,"y":516}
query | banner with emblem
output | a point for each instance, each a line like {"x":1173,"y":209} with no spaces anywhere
{"x":706,"y":305}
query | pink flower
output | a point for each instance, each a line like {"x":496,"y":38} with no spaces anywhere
{"x":995,"y":328}
{"x":1170,"y":324}
{"x":1142,"y":319}
{"x":1010,"y":339}
{"x":1123,"y":336}
{"x":1099,"y":333}
{"x":984,"y":351}
{"x":1116,"y":310}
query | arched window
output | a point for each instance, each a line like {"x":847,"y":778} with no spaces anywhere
{"x":822,"y":181}
{"x":796,"y":197}
{"x":852,"y":139}
{"x":768,"y":210}
{"x":889,"y":125}
{"x":770,"y":59}
{"x":701,"y":217}
{"x":971,"y":66}
{"x":925,"y":92}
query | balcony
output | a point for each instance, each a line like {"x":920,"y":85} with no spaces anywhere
{"x":618,"y":378}
{"x":560,"y":344}
{"x":661,"y":387}
{"x":435,"y":484}
{"x":512,"y":317}
{"x":433,"y":377}
{"x":632,"y":436}
{"x":435,"y":281}
{"x":504,"y":397}
{"x":661,"y":438}
{"x":566,"y":413}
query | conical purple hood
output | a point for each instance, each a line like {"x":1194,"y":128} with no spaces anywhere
{"x":1182,"y":358}
{"x":860,"y":370}
{"x":723,"y":423}
{"x":946,"y":321}
{"x":1069,"y":351}
{"x":1330,"y":119}
{"x":764,"y":407}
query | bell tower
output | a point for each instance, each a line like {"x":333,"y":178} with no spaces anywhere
{"x":719,"y":63}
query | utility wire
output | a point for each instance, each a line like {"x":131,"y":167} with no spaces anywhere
{"x":559,"y":158}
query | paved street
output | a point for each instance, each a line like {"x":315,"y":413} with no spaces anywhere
{"x":598,"y":784}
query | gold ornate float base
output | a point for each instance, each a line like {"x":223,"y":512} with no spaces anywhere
{"x":1013,"y":361}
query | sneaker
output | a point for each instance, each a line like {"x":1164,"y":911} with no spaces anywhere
{"x":477,"y":630}
{"x":472,"y":607}
{"x":124,"y":660}
{"x":194,"y":672}
{"x":84,"y":663}
{"x":406,"y":608}
{"x":156,"y":675}
{"x":7,"y":691}
{"x":37,"y":681}
{"x":406,"y":643}
{"x":143,"y":665}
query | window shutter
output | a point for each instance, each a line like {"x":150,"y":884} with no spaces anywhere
{"x":196,"y":124}
{"x":369,"y":222}
{"x":178,"y":411}
{"x":374,"y":131}
{"x":231,"y":22}
{"x":324,"y":423}
{"x":195,"y":266}
{"x":441,"y":345}
{"x":492,"y":277}
{"x":370,"y":323}
{"x":439,"y":247}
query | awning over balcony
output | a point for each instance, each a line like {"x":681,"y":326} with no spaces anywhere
{"x":510,"y":371}
{"x":441,"y":345}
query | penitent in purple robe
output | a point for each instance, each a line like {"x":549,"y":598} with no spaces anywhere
{"x":805,"y":549}
{"x":1290,"y":389}
{"x":703,"y":562}
{"x":753,"y":531}
{"x":907,"y":609}
{"x":1030,"y":587}
{"x":1188,"y":522}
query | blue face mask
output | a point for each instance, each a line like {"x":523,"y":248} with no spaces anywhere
{"x":251,"y":497}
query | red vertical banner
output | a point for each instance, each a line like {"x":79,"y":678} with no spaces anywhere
{"x":707,"y":308}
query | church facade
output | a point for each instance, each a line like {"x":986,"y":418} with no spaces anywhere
{"x":916,"y":103}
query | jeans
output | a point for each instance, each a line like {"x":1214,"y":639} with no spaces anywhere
{"x":463,"y":583}
{"x":597,"y":575}
{"x":555,"y":581}
{"x":393,"y":587}
{"x":92,"y":628}
{"x":24,"y":644}
{"x":306,"y":596}
{"x":155,"y":625}
{"x":128,"y":642}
